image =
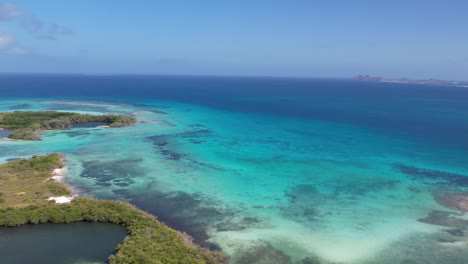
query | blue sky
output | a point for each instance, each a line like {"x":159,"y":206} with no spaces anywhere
{"x":418,"y":39}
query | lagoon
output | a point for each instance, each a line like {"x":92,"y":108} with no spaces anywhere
{"x":79,"y":242}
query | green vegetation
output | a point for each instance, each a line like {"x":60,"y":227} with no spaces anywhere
{"x":25,"y":134}
{"x":26,"y":125}
{"x":148,"y":240}
{"x":26,"y":182}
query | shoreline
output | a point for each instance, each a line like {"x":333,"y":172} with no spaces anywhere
{"x":147,"y":239}
{"x":59,"y":175}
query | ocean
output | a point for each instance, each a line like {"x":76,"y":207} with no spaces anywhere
{"x":270,"y":170}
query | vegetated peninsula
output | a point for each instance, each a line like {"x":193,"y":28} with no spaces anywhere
{"x":27,"y":125}
{"x":25,"y":185}
{"x":368,"y":77}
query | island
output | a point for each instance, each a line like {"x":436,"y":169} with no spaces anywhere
{"x":27,"y":125}
{"x":370,"y":78}
{"x":367,"y":77}
{"x":26,"y":186}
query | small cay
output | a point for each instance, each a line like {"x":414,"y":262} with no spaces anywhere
{"x":27,"y":125}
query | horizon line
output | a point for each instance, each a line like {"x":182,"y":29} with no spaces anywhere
{"x":210,"y":75}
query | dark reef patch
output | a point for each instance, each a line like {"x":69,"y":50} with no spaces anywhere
{"x":353,"y":190}
{"x":443,"y":177}
{"x":123,"y":182}
{"x":208,"y":165}
{"x":196,"y":141}
{"x":420,"y":248}
{"x":162,"y":142}
{"x":309,"y":260}
{"x":108,"y":173}
{"x":443,"y":218}
{"x":414,"y":189}
{"x":302,"y":192}
{"x":197,"y":125}
{"x":159,"y":141}
{"x":122,"y":192}
{"x":167,"y":123}
{"x":76,"y":133}
{"x":304,"y":201}
{"x":172,"y":155}
{"x":190,"y":213}
{"x":458,"y":232}
{"x":261,"y":254}
{"x":194,"y":134}
{"x":240,"y":224}
{"x":456,"y":201}
{"x":20,"y":106}
{"x":157,"y":112}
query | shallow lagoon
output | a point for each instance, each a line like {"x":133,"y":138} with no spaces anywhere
{"x":316,"y":179}
{"x":60,"y":243}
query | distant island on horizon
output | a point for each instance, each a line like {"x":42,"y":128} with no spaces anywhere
{"x":370,"y":78}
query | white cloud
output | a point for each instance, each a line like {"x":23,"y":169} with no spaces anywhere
{"x":37,"y":27}
{"x":9,"y":45}
{"x":6,"y":40}
{"x":17,"y":51}
{"x":9,"y":11}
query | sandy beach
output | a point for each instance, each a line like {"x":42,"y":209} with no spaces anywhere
{"x":58,"y":175}
{"x":61,"y":199}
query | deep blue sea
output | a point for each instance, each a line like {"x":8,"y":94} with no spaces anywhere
{"x":270,"y":170}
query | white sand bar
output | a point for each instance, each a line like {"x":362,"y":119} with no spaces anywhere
{"x":61,"y":199}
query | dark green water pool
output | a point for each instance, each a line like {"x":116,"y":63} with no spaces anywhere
{"x":4,"y":133}
{"x":59,"y":243}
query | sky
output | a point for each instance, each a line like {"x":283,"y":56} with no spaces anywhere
{"x":411,"y":38}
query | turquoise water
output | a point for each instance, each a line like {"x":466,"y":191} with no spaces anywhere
{"x":273,"y":188}
{"x":75,"y":243}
